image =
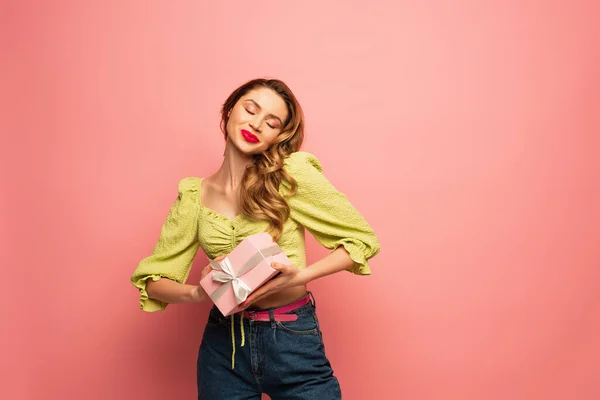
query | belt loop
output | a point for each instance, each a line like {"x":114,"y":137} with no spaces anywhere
{"x":272,"y":318}
{"x":312,"y":299}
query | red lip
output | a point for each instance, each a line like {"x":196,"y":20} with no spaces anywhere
{"x":249,"y":136}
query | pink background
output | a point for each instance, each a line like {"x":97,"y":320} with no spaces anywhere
{"x":466,"y":132}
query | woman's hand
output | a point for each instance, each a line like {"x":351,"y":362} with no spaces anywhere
{"x":289,"y":276}
{"x":198,"y":294}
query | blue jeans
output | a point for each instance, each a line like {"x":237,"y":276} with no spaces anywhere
{"x":285,"y":360}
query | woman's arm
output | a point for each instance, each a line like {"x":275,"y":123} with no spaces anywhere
{"x":169,"y":291}
{"x":336,"y":261}
{"x":173,"y":253}
{"x":333,"y":221}
{"x":172,"y":292}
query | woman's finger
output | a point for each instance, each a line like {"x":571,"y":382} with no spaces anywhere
{"x":205,"y":271}
{"x":283,"y":268}
{"x":209,"y":268}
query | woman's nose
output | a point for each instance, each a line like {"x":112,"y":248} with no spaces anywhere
{"x":255,"y":124}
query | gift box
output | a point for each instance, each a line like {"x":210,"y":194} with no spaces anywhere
{"x":244,"y":270}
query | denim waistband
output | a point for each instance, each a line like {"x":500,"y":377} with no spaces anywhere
{"x":298,"y":310}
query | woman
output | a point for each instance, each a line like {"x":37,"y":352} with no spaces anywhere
{"x":265,"y":183}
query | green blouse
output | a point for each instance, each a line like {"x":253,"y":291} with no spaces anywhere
{"x":317,"y":206}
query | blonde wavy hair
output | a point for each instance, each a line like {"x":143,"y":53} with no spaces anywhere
{"x":259,"y":190}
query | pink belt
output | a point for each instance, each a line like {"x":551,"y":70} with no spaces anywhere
{"x":279,"y":314}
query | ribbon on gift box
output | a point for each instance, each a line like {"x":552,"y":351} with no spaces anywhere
{"x":224,"y":272}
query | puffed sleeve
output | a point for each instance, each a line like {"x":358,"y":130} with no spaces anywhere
{"x":176,"y":247}
{"x":327,"y":213}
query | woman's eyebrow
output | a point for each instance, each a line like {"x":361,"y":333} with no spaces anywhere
{"x":260,"y":108}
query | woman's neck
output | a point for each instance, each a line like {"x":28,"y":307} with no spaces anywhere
{"x":230,"y":174}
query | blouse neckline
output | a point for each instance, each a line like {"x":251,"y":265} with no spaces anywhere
{"x":210,"y":211}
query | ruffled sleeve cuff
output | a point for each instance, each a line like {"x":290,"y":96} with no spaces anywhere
{"x":146,"y":303}
{"x":359,"y":253}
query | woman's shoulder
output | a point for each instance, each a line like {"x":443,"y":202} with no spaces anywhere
{"x":301,"y":162}
{"x":305,"y":168}
{"x":189,"y":185}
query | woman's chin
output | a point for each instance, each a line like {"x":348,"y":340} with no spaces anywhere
{"x":247,"y":148}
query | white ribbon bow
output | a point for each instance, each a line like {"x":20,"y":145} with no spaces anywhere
{"x":224,"y":272}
